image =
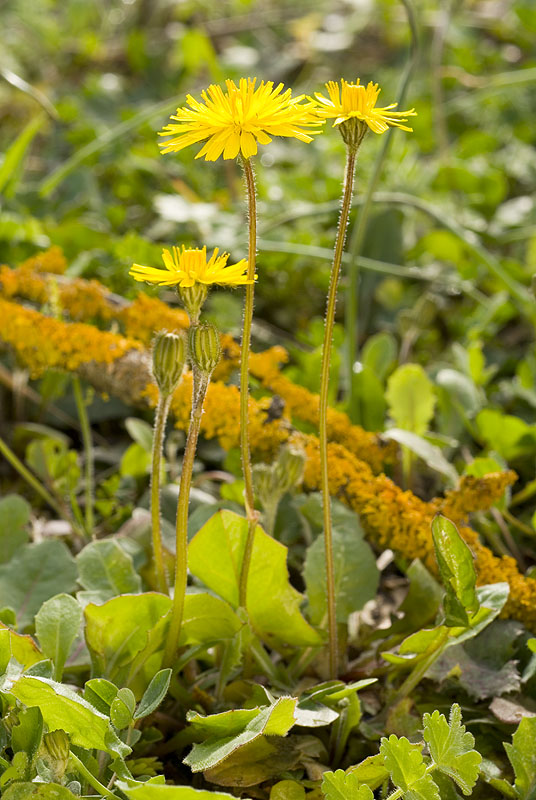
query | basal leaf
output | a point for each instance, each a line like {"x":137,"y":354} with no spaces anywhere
{"x":57,"y":624}
{"x":522,"y":756}
{"x":35,"y":573}
{"x":406,"y":766}
{"x":215,"y":556}
{"x":342,"y":785}
{"x":14,"y":516}
{"x":452,"y":747}
{"x":411,"y":398}
{"x":457,"y":571}
{"x":104,"y":567}
{"x":64,"y":709}
{"x":22,"y":648}
{"x":37,"y":791}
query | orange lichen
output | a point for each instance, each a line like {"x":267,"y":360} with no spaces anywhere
{"x":51,"y":260}
{"x":476,"y":494}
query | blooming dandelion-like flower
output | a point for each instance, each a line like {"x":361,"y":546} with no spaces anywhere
{"x":186,"y":267}
{"x":353,"y":101}
{"x":236,"y":120}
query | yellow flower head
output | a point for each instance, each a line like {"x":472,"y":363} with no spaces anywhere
{"x":184,"y":268}
{"x":354,"y":101}
{"x":234,"y":121}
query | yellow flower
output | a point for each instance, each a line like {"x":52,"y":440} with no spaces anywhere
{"x":185,"y":268}
{"x":354,"y":101}
{"x":234,"y":121}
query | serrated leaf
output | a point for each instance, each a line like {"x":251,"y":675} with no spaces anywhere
{"x":406,"y":766}
{"x":457,"y":571}
{"x":522,"y":756}
{"x":452,"y":747}
{"x":340,"y":785}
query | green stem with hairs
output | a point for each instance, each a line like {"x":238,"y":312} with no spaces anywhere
{"x":89,"y":472}
{"x":323,"y":407}
{"x":181,"y":533}
{"x":161,"y":415}
{"x":249,"y":495}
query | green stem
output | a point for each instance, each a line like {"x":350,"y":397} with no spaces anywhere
{"x":249,"y":494}
{"x":360,"y":226}
{"x":88,"y":452}
{"x":323,"y":407}
{"x":419,"y":671}
{"x":90,"y":778}
{"x":181,"y":568}
{"x":162,"y":411}
{"x":17,"y":464}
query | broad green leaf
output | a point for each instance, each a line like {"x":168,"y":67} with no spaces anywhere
{"x":411,"y":398}
{"x":406,"y":766}
{"x":452,"y":747}
{"x":215,"y":556}
{"x":457,"y":571}
{"x":430,"y":453}
{"x":356,"y":574}
{"x":154,"y":694}
{"x":63,"y":709}
{"x":14,"y":517}
{"x":136,"y":462}
{"x":275,"y":720}
{"x":461,"y":391}
{"x":418,"y":644}
{"x":226,"y":723}
{"x":35,"y":573}
{"x":379,"y":353}
{"x":522,"y":756}
{"x":122,"y":708}
{"x":39,"y":791}
{"x":57,"y":624}
{"x":22,"y":648}
{"x":118,"y":630}
{"x":507,"y":435}
{"x":207,"y":619}
{"x":141,"y":432}
{"x":342,"y":785}
{"x":173,"y":793}
{"x":287,"y":790}
{"x":261,"y":760}
{"x":104,"y":567}
{"x":100,"y":693}
{"x":371,"y":771}
{"x":26,"y":735}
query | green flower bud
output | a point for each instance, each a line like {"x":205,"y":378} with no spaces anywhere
{"x":169,"y":357}
{"x":264,"y":482}
{"x":56,"y":745}
{"x":204,"y":347}
{"x":192,"y":298}
{"x":289,"y":468}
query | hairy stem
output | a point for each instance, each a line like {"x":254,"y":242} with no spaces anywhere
{"x":181,"y":533}
{"x":89,"y":471}
{"x":161,"y":415}
{"x":323,"y":407}
{"x":249,"y":495}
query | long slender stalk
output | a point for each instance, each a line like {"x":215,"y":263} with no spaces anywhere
{"x":30,"y":479}
{"x":89,"y":471}
{"x":90,"y":778}
{"x":323,"y":407}
{"x":162,"y":411}
{"x":360,"y":225}
{"x":249,"y":495}
{"x":181,"y":533}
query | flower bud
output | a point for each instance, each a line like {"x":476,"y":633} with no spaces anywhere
{"x":192,"y":298}
{"x":169,"y":356}
{"x":289,"y":467}
{"x":204,"y":347}
{"x":54,"y":756}
{"x":56,"y":744}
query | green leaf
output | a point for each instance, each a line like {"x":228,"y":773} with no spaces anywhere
{"x":379,"y":354}
{"x":406,"y":766}
{"x":26,"y":736}
{"x":22,"y":648}
{"x":287,"y":790}
{"x":14,"y":156}
{"x":39,"y":791}
{"x":141,"y":432}
{"x":411,"y":398}
{"x":452,"y":748}
{"x":36,"y":573}
{"x":57,"y":624}
{"x":511,"y":437}
{"x":371,"y":771}
{"x":136,"y":462}
{"x":63,"y":709}
{"x":341,"y":785}
{"x":156,"y":792}
{"x":154,"y":694}
{"x":215,"y":556}
{"x":100,"y":693}
{"x":274,"y":720}
{"x":207,"y":619}
{"x":430,"y":453}
{"x":104,"y":567}
{"x":14,"y":517}
{"x":122,"y":708}
{"x":356,"y":574}
{"x":522,"y":756}
{"x":457,"y":571}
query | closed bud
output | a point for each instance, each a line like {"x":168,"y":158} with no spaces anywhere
{"x":54,"y":756}
{"x":56,"y":744}
{"x":204,"y":347}
{"x":289,"y":467}
{"x":169,"y":357}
